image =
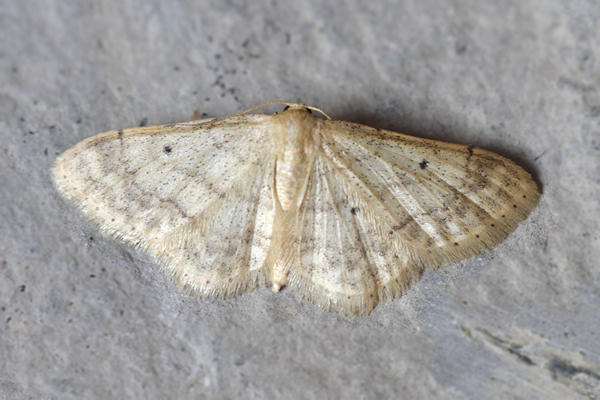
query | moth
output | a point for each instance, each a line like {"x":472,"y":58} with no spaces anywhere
{"x":345,"y":214}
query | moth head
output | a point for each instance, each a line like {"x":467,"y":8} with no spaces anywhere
{"x":304,"y":108}
{"x":297,"y":107}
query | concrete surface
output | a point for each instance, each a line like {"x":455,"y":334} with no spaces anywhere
{"x":84,"y":317}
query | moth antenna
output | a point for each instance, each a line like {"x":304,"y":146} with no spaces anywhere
{"x":323,"y":113}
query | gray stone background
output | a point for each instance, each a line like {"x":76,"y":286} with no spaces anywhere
{"x":83,"y":317}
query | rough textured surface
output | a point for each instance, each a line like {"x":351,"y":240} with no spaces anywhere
{"x":85,"y":317}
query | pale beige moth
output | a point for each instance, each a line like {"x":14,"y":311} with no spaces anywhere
{"x":345,"y":214}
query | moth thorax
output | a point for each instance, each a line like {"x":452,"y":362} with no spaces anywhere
{"x":295,"y":153}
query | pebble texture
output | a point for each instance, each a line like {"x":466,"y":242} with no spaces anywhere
{"x":83,"y":317}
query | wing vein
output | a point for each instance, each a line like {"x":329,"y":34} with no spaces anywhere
{"x":342,"y":221}
{"x":347,"y":167}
